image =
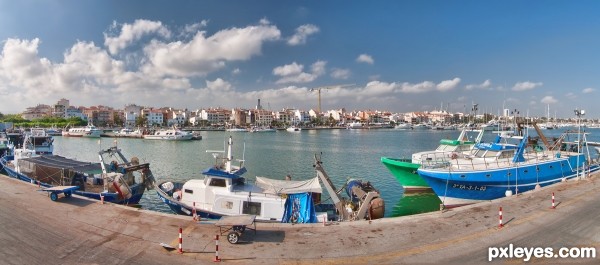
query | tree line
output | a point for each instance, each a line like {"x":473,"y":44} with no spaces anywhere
{"x":45,"y":122}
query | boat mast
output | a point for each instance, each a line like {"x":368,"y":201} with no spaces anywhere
{"x":229,"y":155}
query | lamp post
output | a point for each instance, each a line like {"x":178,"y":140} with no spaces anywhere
{"x":579,"y":113}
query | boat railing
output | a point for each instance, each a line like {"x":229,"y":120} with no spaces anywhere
{"x":468,"y":161}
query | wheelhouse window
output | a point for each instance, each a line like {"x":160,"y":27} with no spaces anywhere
{"x":251,"y":208}
{"x":217,"y":183}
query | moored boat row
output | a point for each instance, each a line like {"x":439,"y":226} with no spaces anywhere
{"x":514,"y":162}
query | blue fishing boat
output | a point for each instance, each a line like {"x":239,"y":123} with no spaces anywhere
{"x":512,"y":163}
{"x":119,"y":181}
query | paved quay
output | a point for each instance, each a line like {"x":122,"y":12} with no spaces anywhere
{"x":35,"y":230}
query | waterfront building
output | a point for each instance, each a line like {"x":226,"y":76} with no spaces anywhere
{"x":215,"y":116}
{"x":100,"y":115}
{"x":60,"y":108}
{"x":153,"y":116}
{"x":283,"y":116}
{"x":301,"y":116}
{"x":73,"y":112}
{"x":131,"y":112}
{"x":37,"y":112}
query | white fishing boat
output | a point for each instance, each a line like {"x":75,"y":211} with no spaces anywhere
{"x":355,"y":125}
{"x":224,"y":192}
{"x":172,"y":134}
{"x":87,"y":131}
{"x":293,"y":129}
{"x":39,"y":140}
{"x":127,"y":132}
{"x":403,"y":126}
{"x":262,"y":129}
{"x":236,"y":130}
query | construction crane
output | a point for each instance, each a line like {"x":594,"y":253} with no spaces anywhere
{"x":318,"y":89}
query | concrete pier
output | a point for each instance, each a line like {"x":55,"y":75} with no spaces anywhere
{"x":35,"y":230}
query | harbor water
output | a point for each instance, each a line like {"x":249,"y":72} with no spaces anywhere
{"x":345,"y":154}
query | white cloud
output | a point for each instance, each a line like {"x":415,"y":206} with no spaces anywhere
{"x":522,"y":86}
{"x":133,"y":32}
{"x":21,"y":66}
{"x":588,"y":90}
{"x":318,"y":68}
{"x":193,"y":28}
{"x":486,"y":84}
{"x":203,"y":55}
{"x":417,"y":88}
{"x":340,"y":73}
{"x":292,"y":73}
{"x":236,"y":71}
{"x":288,"y":69}
{"x":571,"y":95}
{"x":365,"y":58}
{"x":302,"y":34}
{"x":448,"y":84}
{"x":548,"y":100}
{"x":219,"y":85}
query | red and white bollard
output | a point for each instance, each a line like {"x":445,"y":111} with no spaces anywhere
{"x":101,"y":199}
{"x":194,"y":213}
{"x":500,"y":225}
{"x":180,"y":241}
{"x":553,"y":206}
{"x":217,"y":259}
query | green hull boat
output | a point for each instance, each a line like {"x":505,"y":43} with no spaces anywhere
{"x":405,"y":170}
{"x":406,"y":173}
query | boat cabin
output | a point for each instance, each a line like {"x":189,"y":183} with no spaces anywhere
{"x":227,"y":194}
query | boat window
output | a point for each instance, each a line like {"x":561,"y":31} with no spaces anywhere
{"x":189,"y":191}
{"x":251,"y":208}
{"x":217,"y":183}
{"x":479,"y":153}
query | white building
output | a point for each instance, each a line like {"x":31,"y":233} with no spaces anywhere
{"x":154,"y":117}
{"x":215,"y":116}
{"x":301,"y":116}
{"x":177,"y":118}
{"x":75,"y":113}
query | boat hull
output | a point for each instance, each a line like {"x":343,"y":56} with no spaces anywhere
{"x":168,"y":138}
{"x":457,"y":188}
{"x":406,"y":173}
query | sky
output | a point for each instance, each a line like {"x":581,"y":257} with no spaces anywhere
{"x":398,"y":56}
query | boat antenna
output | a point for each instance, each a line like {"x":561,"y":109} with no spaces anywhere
{"x":244,"y":152}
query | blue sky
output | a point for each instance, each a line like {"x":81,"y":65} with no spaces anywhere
{"x":397,"y":55}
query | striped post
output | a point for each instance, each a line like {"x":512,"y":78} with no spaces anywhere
{"x":553,"y":206}
{"x":217,"y":259}
{"x":101,"y":199}
{"x":500,"y":225}
{"x":180,"y":241}
{"x":194,"y":213}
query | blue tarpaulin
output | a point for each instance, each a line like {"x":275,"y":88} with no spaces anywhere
{"x":299,"y":208}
